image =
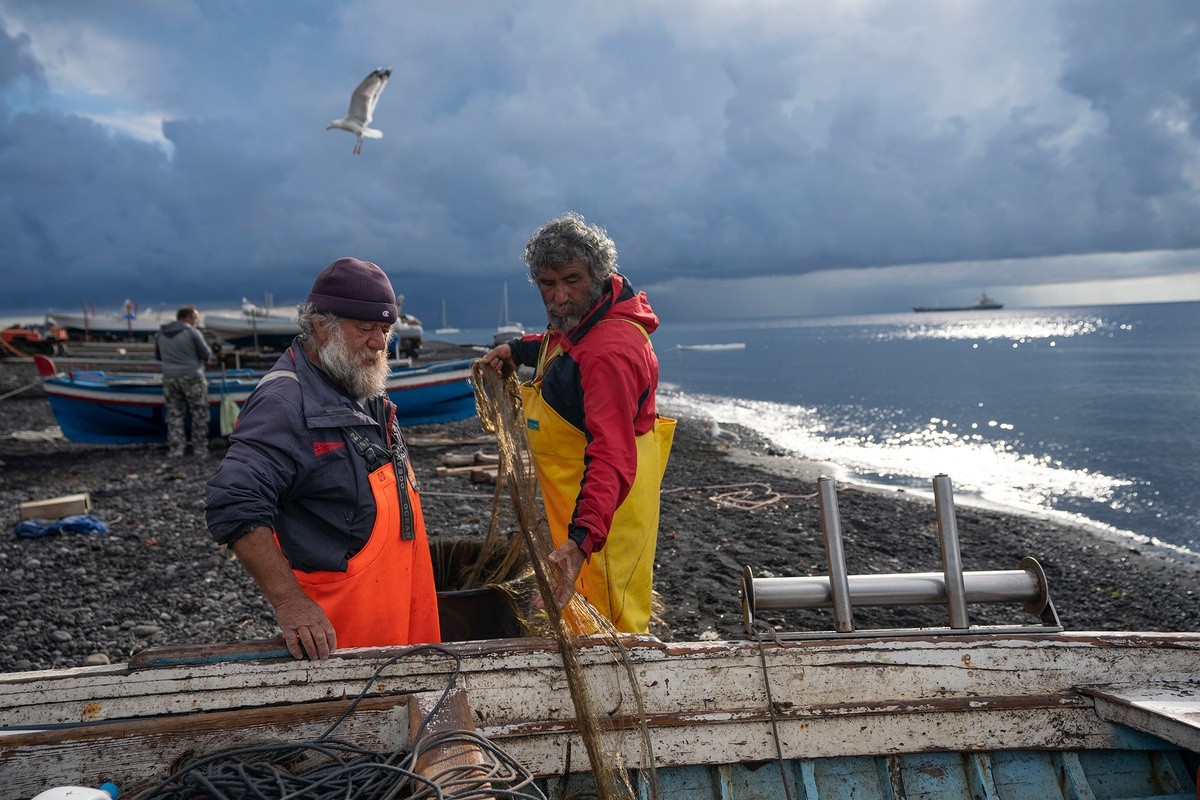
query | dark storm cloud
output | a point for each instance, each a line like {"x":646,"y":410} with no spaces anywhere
{"x":767,"y":142}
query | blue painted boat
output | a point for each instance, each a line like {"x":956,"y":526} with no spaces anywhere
{"x":128,"y":408}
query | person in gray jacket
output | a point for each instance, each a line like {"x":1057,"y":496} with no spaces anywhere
{"x":184,"y":353}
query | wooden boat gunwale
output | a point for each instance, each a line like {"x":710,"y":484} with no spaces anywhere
{"x":705,"y":701}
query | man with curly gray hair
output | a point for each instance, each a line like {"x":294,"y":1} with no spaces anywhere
{"x":599,"y":446}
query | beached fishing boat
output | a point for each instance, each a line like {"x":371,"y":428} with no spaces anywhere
{"x":124,"y":408}
{"x":1020,"y":712}
{"x":256,"y":327}
{"x":32,"y":339}
{"x":1088,"y":715}
{"x":129,"y":323}
{"x":1029,"y":716}
{"x":261,"y":328}
{"x":409,"y":336}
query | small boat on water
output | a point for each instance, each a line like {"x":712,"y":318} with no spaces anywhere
{"x":962,"y":712}
{"x":446,"y":327}
{"x":702,"y":347}
{"x":125,"y":408}
{"x":507,"y":330}
{"x":982,"y":303}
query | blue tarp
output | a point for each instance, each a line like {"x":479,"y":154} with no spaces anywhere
{"x":77,"y":523}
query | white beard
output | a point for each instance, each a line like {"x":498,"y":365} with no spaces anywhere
{"x":362,"y":376}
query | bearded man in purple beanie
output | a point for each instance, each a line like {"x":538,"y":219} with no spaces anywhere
{"x":316,"y":495}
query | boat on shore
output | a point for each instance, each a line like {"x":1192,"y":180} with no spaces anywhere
{"x":256,"y":332}
{"x":1085,"y":715}
{"x":255,"y":327}
{"x":128,"y":407}
{"x":963,"y":712}
{"x":409,"y":336}
{"x":982,"y":303}
{"x":31,"y":338}
{"x":260,"y":329}
{"x":129,"y":323}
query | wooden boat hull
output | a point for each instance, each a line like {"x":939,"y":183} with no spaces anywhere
{"x":111,"y":326}
{"x":968,"y":716}
{"x":93,"y":407}
{"x":256,"y":331}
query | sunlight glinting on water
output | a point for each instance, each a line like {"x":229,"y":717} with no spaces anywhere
{"x":988,"y":469}
{"x":1032,"y":324}
{"x":1078,"y":415}
{"x":1059,"y":326}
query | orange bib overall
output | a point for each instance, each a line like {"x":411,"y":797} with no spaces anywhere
{"x":386,"y":596}
{"x":616,"y":580}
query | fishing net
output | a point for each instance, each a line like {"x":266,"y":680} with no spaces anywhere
{"x":498,"y":401}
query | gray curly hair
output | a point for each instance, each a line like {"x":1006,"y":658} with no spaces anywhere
{"x":570,"y":238}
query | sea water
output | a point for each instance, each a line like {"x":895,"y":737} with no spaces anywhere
{"x":1088,"y":415}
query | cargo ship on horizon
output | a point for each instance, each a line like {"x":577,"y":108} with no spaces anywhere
{"x":982,"y":303}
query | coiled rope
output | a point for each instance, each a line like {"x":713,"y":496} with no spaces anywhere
{"x":742,"y":496}
{"x":327,"y":768}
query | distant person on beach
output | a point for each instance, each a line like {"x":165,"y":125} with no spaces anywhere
{"x":183,"y":353}
{"x":316,"y":494}
{"x":597,"y":442}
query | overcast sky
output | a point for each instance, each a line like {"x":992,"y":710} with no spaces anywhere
{"x":749,"y":158}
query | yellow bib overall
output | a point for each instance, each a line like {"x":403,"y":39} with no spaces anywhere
{"x":617,"y":579}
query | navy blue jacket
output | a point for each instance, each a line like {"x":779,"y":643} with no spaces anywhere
{"x":291,"y":468}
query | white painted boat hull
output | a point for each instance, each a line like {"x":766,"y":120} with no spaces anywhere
{"x":837,"y":706}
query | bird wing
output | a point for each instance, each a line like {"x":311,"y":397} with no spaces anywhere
{"x":362,"y":102}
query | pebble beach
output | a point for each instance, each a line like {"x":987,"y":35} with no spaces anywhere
{"x":156,"y":579}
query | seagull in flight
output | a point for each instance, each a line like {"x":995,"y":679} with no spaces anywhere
{"x":362,"y":109}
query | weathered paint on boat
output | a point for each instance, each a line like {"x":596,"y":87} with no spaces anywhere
{"x":968,"y":716}
{"x":91,"y":406}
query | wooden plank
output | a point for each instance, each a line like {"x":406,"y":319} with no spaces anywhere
{"x":1170,"y":712}
{"x":137,"y":754}
{"x":441,"y":440}
{"x":705,"y":701}
{"x":523,"y":678}
{"x":57,"y":507}
{"x":442,"y":472}
{"x":182,"y":655}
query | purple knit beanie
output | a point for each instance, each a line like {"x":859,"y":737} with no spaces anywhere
{"x":354,"y":289}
